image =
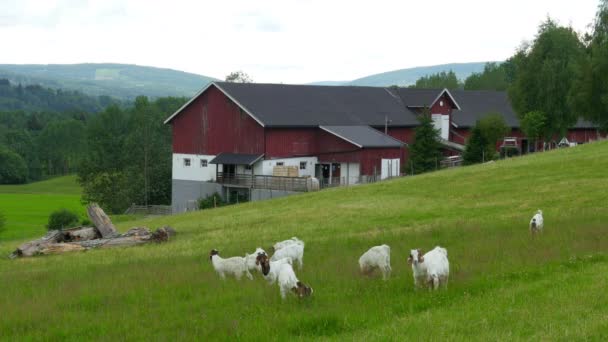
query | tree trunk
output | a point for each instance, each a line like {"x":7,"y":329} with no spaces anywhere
{"x":81,"y":234}
{"x":33,"y":247}
{"x":101,"y":221}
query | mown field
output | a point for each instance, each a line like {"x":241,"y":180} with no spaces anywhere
{"x":504,"y":285}
{"x":27,"y":207}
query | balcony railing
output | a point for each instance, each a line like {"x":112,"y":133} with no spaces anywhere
{"x":264,"y":182}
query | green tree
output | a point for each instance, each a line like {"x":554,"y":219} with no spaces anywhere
{"x":426,"y":149}
{"x":238,"y":77}
{"x":438,"y":81}
{"x":493,"y":77}
{"x":534,"y":125}
{"x":109,"y":189}
{"x":589,"y":93}
{"x":493,"y":128}
{"x":476,"y":147}
{"x":13,"y":169}
{"x":62,"y":146}
{"x":545,"y":73}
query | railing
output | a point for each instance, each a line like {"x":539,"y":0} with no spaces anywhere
{"x":265,"y":182}
{"x":452,"y":161}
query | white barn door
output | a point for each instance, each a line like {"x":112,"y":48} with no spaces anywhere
{"x":390,"y":168}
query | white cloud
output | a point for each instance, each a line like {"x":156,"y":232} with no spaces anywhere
{"x":291,"y":41}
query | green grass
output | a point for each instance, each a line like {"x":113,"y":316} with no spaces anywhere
{"x":27,"y":207}
{"x":504,"y":285}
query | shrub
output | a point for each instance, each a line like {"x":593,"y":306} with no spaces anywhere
{"x":62,"y":218}
{"x":212,"y":201}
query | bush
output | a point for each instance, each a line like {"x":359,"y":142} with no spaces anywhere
{"x":212,"y":201}
{"x":62,"y":218}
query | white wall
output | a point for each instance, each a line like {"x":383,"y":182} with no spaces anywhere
{"x":265,"y":167}
{"x":193,"y":172}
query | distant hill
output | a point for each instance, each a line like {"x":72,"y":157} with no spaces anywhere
{"x":406,"y":77}
{"x":121,"y":81}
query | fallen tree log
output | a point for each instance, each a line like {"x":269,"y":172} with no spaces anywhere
{"x":52,"y":243}
{"x":80,"y":234}
{"x":101,"y":221}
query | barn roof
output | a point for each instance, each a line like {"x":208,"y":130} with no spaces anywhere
{"x":477,"y":104}
{"x":281,"y":105}
{"x":363,"y":136}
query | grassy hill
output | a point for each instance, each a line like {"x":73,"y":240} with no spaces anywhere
{"x":122,"y":81}
{"x":27,"y":207}
{"x":504,"y":285}
{"x":405,"y":77}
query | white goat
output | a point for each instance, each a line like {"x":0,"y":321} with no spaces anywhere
{"x":289,"y":282}
{"x":376,"y":257}
{"x":270,"y":269}
{"x":431,"y":269}
{"x":285,"y":243}
{"x":236,"y":266}
{"x":536,"y":223}
{"x":250,"y":259}
{"x":294,"y":251}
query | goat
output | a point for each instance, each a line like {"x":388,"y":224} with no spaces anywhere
{"x":285,"y":243}
{"x":289,"y":282}
{"x":536,"y":223}
{"x":376,"y":257}
{"x":431,"y":269}
{"x":236,"y":266}
{"x":250,"y":259}
{"x":294,"y":251}
{"x":270,"y":269}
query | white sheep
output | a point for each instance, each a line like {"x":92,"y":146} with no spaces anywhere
{"x":432,"y":268}
{"x":250,"y":259}
{"x":270,"y":269}
{"x":288,"y":242}
{"x":289,"y":282}
{"x":536,"y":223}
{"x":376,"y":257}
{"x":236,"y":266}
{"x":294,"y":251}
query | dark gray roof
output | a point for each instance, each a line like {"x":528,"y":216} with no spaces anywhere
{"x":418,"y":97}
{"x":582,"y":123}
{"x":476,"y":104}
{"x":363,"y":136}
{"x":236,"y":159}
{"x":281,"y":105}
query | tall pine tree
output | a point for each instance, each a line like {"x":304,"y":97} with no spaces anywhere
{"x":426,"y":149}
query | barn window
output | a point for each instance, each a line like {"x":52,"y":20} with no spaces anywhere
{"x":187,"y":162}
{"x":280,"y":163}
{"x":203,"y":162}
{"x":248,"y":167}
{"x":303,"y":165}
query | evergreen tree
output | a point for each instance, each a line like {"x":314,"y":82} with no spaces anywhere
{"x":426,"y":149}
{"x":476,"y":148}
{"x":439,"y":80}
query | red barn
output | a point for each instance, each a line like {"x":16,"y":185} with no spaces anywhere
{"x":267,"y":140}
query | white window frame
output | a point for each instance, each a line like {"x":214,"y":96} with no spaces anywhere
{"x":187,"y":162}
{"x":204,"y":163}
{"x":303,"y":165}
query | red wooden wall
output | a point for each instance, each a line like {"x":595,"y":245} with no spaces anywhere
{"x":212,"y":124}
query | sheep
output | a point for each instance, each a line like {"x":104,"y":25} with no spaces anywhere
{"x":376,"y":257}
{"x":289,"y":282}
{"x":536,"y":223}
{"x":270,"y":269}
{"x":285,"y":243}
{"x":235,"y":265}
{"x":294,"y":251}
{"x":250,"y":259}
{"x":432,"y":268}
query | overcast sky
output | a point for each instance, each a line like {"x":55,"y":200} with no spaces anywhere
{"x":290,"y":41}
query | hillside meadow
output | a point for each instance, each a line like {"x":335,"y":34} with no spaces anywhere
{"x":27,"y":207}
{"x":504,"y":284}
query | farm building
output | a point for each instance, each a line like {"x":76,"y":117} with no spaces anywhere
{"x":269,"y":140}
